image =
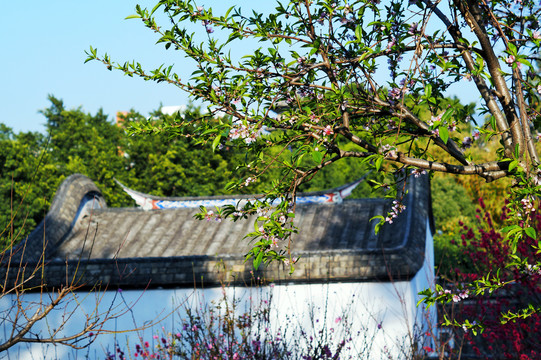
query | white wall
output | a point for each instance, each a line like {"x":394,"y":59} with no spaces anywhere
{"x":382,"y":317}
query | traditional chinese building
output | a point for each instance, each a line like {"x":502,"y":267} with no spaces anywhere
{"x":160,"y":246}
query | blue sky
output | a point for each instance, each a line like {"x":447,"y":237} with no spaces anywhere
{"x":43,"y":52}
{"x":43,"y":45}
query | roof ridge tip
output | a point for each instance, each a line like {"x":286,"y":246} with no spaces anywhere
{"x":337,"y":189}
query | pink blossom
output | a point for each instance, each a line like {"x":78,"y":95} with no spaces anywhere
{"x":248,"y":181}
{"x":527,"y":205}
{"x":328,"y":130}
{"x":413,"y":28}
{"x":395,"y":93}
{"x":209,"y":215}
{"x":434,"y":119}
{"x":467,"y":142}
{"x":536,"y":35}
{"x":510,"y":59}
{"x":286,"y":262}
{"x":418,"y":172}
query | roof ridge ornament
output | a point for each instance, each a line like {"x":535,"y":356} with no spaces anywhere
{"x":151,"y":202}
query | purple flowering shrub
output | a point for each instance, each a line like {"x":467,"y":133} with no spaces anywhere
{"x":234,"y":330}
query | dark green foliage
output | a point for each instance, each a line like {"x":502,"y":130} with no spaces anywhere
{"x":33,"y":165}
{"x":27,"y":182}
{"x":451,"y":204}
{"x":162,"y":166}
{"x":342,"y":173}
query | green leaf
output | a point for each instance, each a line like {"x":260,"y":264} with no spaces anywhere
{"x":378,"y":163}
{"x":216,"y":142}
{"x":525,"y":62}
{"x":444,"y":133}
{"x":447,"y":115}
{"x":258,"y":259}
{"x":530,"y":232}
{"x":428,"y":90}
{"x":359,"y":32}
{"x":365,"y":54}
{"x":156,"y":7}
{"x":510,"y":227}
{"x":379,"y":224}
{"x":317,"y":156}
{"x":511,"y":49}
{"x":134,"y":16}
{"x":228,"y":12}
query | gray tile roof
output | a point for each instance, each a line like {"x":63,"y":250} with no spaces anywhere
{"x":131,"y":247}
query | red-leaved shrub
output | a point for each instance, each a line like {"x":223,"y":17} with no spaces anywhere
{"x":489,"y":252}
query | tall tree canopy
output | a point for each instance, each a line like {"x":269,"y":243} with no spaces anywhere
{"x":331,"y":80}
{"x":33,"y":165}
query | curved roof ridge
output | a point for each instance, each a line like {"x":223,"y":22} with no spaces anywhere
{"x":74,"y":199}
{"x":148,"y":202}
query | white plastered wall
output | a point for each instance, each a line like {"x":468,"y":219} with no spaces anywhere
{"x":382,"y":318}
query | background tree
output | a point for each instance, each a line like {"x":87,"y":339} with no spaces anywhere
{"x":26,"y":184}
{"x":33,"y":165}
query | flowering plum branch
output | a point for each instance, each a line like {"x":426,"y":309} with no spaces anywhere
{"x":315,"y":88}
